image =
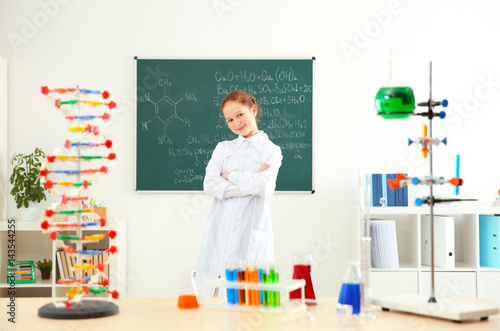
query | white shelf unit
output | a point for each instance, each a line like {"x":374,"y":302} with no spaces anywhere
{"x":467,"y":280}
{"x":32,"y":244}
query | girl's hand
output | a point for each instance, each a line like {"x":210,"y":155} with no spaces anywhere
{"x":264,"y":168}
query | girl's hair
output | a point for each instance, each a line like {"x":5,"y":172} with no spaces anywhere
{"x":243,"y":98}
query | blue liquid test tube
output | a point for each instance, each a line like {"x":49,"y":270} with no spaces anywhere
{"x":261,"y":293}
{"x":229,"y":278}
{"x":235,"y":279}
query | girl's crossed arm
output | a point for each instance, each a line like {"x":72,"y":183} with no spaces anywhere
{"x":232,"y":184}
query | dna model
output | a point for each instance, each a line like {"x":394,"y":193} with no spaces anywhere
{"x":70,"y":170}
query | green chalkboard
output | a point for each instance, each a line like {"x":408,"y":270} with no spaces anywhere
{"x":179,"y":120}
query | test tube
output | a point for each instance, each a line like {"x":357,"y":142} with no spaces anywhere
{"x":270,"y":280}
{"x":241,"y":279}
{"x":235,"y":279}
{"x":229,"y":278}
{"x":255,"y":279}
{"x":276,"y":281}
{"x":248,"y":279}
{"x":265,"y":294}
{"x":261,"y":293}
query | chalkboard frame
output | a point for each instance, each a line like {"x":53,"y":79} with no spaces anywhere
{"x":312,"y":137}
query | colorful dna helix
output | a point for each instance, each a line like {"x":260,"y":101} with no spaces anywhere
{"x":70,"y":170}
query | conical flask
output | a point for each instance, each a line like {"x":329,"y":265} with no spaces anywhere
{"x":188,"y":299}
{"x":350,"y":291}
{"x":395,"y":98}
{"x":302,"y":270}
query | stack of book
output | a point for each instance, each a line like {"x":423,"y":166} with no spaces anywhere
{"x":380,"y":189}
{"x":66,"y":263}
{"x":384,"y":244}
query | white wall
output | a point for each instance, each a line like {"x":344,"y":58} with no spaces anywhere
{"x":92,"y":43}
{"x":3,"y":140}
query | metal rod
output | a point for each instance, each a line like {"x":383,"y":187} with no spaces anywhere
{"x":433,"y":296}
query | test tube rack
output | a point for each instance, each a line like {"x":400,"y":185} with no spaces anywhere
{"x":287,"y":307}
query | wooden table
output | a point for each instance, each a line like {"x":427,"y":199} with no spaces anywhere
{"x":145,"y":314}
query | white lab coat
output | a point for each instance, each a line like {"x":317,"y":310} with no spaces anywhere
{"x":239,"y":222}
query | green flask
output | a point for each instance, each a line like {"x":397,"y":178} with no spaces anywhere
{"x":395,"y":102}
{"x":395,"y":99}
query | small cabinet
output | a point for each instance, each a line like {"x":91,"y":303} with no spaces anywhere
{"x":393,"y":283}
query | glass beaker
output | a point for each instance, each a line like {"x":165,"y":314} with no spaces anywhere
{"x":302,"y":270}
{"x":188,"y":299}
{"x":395,"y":98}
{"x":350,"y":293}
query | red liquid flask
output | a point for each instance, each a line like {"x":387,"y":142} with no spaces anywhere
{"x":302,"y":270}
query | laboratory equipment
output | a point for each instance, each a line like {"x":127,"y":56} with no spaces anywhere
{"x":232,"y":276}
{"x":188,"y":298}
{"x":395,"y":98}
{"x":240,"y":277}
{"x":302,"y":270}
{"x":67,"y":177}
{"x":274,"y":272}
{"x":254,"y":278}
{"x":417,"y":304}
{"x":252,"y":272}
{"x":268,"y":295}
{"x":350,"y":293}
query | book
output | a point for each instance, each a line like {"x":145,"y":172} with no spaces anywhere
{"x":106,"y":266}
{"x":64,"y":262}
{"x":380,"y":189}
{"x":60,"y":267}
{"x":391,"y":193}
{"x":73,"y":271}
{"x":69,"y":263}
{"x":384,"y":245}
{"x":95,"y":263}
{"x":376,"y":190}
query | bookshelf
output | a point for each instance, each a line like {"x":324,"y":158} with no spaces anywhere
{"x":467,"y":280}
{"x":32,"y":244}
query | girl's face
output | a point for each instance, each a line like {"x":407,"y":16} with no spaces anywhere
{"x":240,"y":118}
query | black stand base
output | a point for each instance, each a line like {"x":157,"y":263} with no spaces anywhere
{"x":86,"y":309}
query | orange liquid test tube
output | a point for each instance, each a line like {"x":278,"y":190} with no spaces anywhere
{"x":256,"y":297}
{"x":248,"y":276}
{"x":241,"y":292}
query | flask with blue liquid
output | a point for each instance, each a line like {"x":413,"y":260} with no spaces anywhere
{"x":350,"y":291}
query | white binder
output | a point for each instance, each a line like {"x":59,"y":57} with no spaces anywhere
{"x":444,"y":241}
